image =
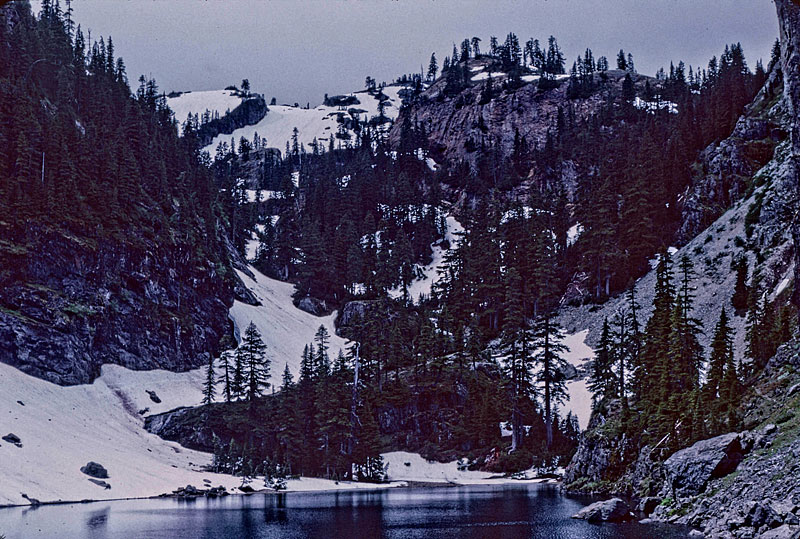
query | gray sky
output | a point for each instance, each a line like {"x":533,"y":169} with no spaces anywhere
{"x":297,"y":50}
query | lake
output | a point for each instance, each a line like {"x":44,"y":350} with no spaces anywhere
{"x":502,"y":511}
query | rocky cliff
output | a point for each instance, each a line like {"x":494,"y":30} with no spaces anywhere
{"x":249,"y":112}
{"x":457,"y":124}
{"x":68,"y":305}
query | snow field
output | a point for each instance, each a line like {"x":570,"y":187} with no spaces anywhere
{"x":187,"y":103}
{"x":286,"y":330}
{"x":318,"y":122}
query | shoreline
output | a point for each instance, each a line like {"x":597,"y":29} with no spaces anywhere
{"x":396,"y":484}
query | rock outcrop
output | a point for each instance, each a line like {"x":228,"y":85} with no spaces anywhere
{"x":724,"y":169}
{"x":689,"y":470}
{"x":789,"y":24}
{"x":613,"y":510}
{"x":68,"y":305}
{"x":250,"y":111}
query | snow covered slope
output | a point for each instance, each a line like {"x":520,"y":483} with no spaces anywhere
{"x":319,"y":122}
{"x":284,"y":328}
{"x":214,"y":101}
{"x":63,"y":428}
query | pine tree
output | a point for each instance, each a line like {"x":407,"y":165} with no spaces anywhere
{"x":210,"y":383}
{"x":740,"y":291}
{"x":518,"y":365}
{"x":255,"y":364}
{"x":547,"y":340}
{"x":603,"y":383}
{"x":622,"y":63}
{"x":714,"y":389}
{"x":432,"y":67}
{"x":228,"y":389}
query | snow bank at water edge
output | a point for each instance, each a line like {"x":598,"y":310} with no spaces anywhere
{"x":405,"y":466}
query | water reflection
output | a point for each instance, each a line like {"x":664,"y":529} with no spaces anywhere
{"x":535,"y":511}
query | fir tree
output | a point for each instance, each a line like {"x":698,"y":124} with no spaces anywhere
{"x":547,"y":340}
{"x":210,"y":383}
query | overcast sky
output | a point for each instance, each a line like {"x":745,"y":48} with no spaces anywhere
{"x":297,"y":50}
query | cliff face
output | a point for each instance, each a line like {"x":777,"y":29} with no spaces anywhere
{"x":68,"y":305}
{"x":455,"y":123}
{"x":723,"y":170}
{"x":789,"y":20}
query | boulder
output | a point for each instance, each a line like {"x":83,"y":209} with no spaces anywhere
{"x":648,"y":504}
{"x":314,"y":306}
{"x":613,"y":510}
{"x":95,"y":470}
{"x":153,"y":396}
{"x":13,"y":439}
{"x":689,"y":470}
{"x":781,"y":532}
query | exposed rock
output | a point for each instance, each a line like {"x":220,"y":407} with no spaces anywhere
{"x":71,"y":305}
{"x":613,"y":510}
{"x":250,"y":111}
{"x":689,"y":470}
{"x":648,"y":504}
{"x":782,"y":532}
{"x":100,"y":483}
{"x":95,"y":470}
{"x":153,"y":396}
{"x":789,"y":26}
{"x":314,"y":306}
{"x":354,"y":312}
{"x":340,"y":100}
{"x":13,"y":439}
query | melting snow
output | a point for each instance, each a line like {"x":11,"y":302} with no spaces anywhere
{"x":653,"y":106}
{"x":318,"y":122}
{"x":285,"y":328}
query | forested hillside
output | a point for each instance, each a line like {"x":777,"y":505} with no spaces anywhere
{"x":111,"y":250}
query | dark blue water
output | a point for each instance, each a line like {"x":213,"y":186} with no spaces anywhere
{"x":507,"y":511}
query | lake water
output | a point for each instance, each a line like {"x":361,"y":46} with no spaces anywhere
{"x":502,"y":511}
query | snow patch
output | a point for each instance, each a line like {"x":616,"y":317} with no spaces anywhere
{"x":286,"y":330}
{"x":214,"y":101}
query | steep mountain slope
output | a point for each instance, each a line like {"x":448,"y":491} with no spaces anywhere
{"x":693,"y":486}
{"x":111,"y":247}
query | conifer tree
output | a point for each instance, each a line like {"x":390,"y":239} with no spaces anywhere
{"x":255,"y":364}
{"x":603,"y":383}
{"x":547,"y":340}
{"x":518,"y":363}
{"x":721,"y":349}
{"x":226,"y":376}
{"x":210,"y":383}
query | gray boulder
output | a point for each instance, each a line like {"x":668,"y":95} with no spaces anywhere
{"x":689,"y":470}
{"x":781,"y":532}
{"x":13,"y":439}
{"x":93,"y":469}
{"x":613,"y":510}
